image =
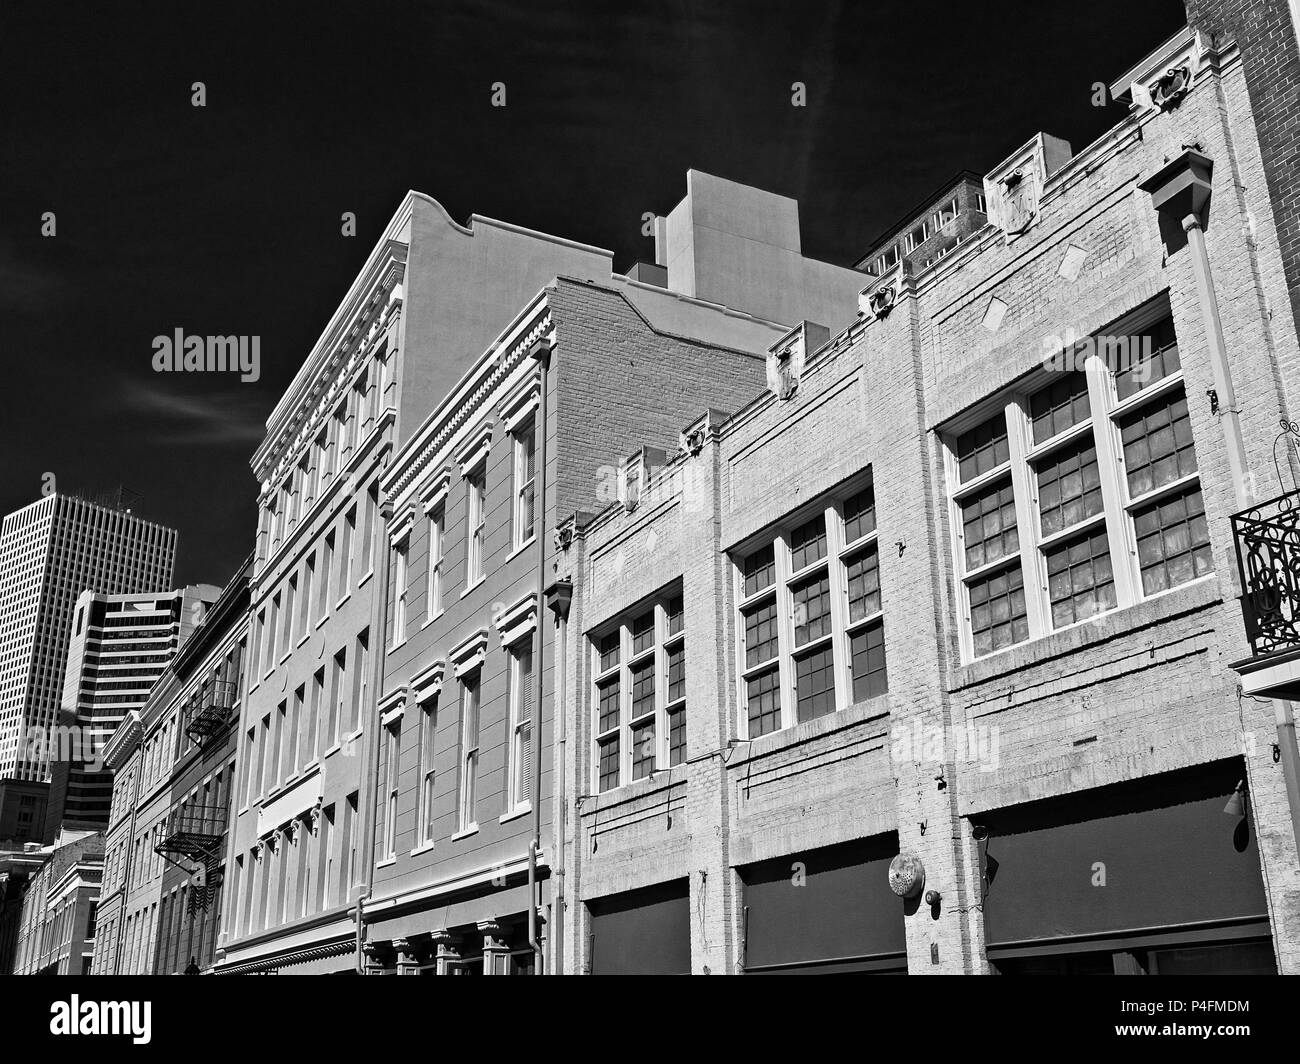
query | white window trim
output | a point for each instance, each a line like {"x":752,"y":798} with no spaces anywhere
{"x":516,"y":802}
{"x":1106,"y":410}
{"x":662,"y":645}
{"x":835,"y":563}
{"x":521,"y":535}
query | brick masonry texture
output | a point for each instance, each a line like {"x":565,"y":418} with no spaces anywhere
{"x":1137,"y":692}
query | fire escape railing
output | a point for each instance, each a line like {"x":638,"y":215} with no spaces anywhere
{"x":210,"y":711}
{"x":1267,"y":539}
{"x":192,"y":838}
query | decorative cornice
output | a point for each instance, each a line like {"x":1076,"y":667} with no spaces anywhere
{"x":392,"y":706}
{"x":427,"y":683}
{"x":469,"y":654}
{"x":464,"y":404}
{"x":473,"y":452}
{"x":517,"y":621}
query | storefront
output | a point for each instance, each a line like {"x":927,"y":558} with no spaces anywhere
{"x":1156,"y":876}
{"x":824,"y":912}
{"x":642,"y":932}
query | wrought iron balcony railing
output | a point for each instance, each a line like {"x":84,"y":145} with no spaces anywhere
{"x":210,"y":711}
{"x":1267,"y":539}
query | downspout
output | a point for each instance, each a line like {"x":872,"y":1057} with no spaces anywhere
{"x":541,"y":351}
{"x":379,"y":650}
{"x":1180,"y":193}
{"x":561,"y":784}
{"x":1286,"y":734}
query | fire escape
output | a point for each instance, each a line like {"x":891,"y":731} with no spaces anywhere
{"x":210,"y":712}
{"x":193,"y":839}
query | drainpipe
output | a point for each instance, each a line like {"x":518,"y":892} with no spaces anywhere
{"x":369,"y":790}
{"x":560,"y":596}
{"x":541,"y":351}
{"x":1180,"y":192}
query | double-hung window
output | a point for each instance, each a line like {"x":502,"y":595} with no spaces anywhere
{"x":433,"y":592}
{"x":401,"y":579}
{"x":428,"y":729}
{"x":392,"y":773}
{"x":525,"y":472}
{"x":640,"y":693}
{"x":469,"y":722}
{"x":809,"y":625}
{"x":476,"y":523}
{"x":1079,"y":493}
{"x":523,"y":696}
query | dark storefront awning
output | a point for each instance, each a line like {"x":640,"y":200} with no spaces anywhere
{"x":1146,"y":858}
{"x":824,"y":911}
{"x":642,"y":932}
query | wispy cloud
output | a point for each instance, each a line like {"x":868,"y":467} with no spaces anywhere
{"x":214,"y":418}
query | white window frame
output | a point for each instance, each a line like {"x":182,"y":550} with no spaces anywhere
{"x":425,"y":813}
{"x":835,"y":562}
{"x":525,"y":531}
{"x":467,"y":802}
{"x":520,"y":725}
{"x":392,"y":777}
{"x":1118,"y":507}
{"x":401,"y":582}
{"x":475,"y":523}
{"x":663,"y":642}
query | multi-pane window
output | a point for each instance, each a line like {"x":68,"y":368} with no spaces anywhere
{"x":525,"y":472}
{"x":640,"y":693}
{"x":476,"y":523}
{"x":400,"y":581}
{"x":1079,"y":494}
{"x":810,"y":625}
{"x":392,"y":772}
{"x":433,"y":605}
{"x":522,"y":699}
{"x":469,"y":722}
{"x":428,"y":727}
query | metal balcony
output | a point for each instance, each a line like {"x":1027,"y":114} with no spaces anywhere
{"x":210,"y":712}
{"x":1267,"y":539}
{"x":191,"y":833}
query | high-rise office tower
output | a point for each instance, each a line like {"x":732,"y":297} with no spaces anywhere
{"x":50,"y":552}
{"x":120,"y":645}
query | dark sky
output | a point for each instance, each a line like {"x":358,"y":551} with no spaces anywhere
{"x":225,"y":219}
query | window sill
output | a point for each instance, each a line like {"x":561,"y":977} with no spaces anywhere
{"x":338,"y":605}
{"x":473,"y":586}
{"x":424,"y":847}
{"x":284,"y":657}
{"x":530,"y":541}
{"x":302,"y":640}
{"x":431,"y":619}
{"x":362,"y":582}
{"x":465,"y":833}
{"x":399,"y":644}
{"x":1199,"y":594}
{"x":516,"y":813}
{"x":386,"y":862}
{"x":321,"y":622}
{"x":331,"y":751}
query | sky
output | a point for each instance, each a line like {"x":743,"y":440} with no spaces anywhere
{"x":226,"y":218}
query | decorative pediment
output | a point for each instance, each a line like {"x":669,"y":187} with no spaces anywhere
{"x":435,"y":493}
{"x":1014,"y":189}
{"x":517,"y":621}
{"x":392,"y":706}
{"x":402,"y":524}
{"x":469,"y":654}
{"x":427,"y":683}
{"x":521,"y":402}
{"x":473,"y":452}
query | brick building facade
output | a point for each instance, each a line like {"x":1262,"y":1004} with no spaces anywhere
{"x":960,"y":590}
